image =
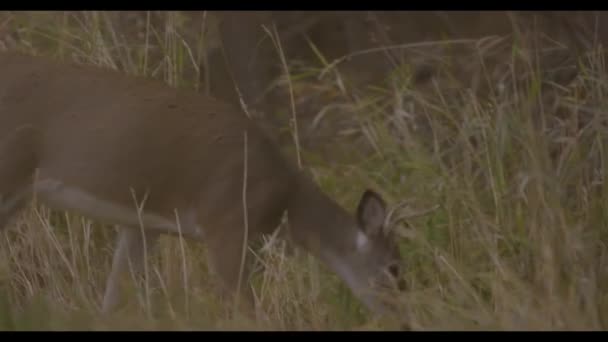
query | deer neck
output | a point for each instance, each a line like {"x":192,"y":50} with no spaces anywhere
{"x":319,"y":224}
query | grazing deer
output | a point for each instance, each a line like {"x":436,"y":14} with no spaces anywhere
{"x":137,"y":153}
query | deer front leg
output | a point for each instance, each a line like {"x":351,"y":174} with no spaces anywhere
{"x":131,"y":253}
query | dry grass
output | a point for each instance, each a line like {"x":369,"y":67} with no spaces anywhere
{"x":513,"y":163}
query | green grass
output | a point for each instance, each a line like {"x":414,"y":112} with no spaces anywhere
{"x":512,"y":167}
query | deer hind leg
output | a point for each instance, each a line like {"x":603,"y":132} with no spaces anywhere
{"x":132,"y":249}
{"x":17,"y":165}
{"x":11,"y":202}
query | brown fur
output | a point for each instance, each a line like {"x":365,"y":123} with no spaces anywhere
{"x":71,"y":130}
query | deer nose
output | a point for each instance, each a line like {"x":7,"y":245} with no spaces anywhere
{"x":402,"y":285}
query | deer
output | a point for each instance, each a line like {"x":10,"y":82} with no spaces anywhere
{"x":154,"y":160}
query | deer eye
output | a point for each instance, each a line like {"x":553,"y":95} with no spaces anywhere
{"x":393,"y":269}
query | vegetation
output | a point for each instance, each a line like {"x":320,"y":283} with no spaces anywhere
{"x":497,"y":180}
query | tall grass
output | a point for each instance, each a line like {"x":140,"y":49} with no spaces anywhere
{"x":497,"y":179}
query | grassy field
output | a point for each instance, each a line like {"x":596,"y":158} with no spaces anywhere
{"x":495,"y":169}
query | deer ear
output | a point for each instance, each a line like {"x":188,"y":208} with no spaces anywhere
{"x":371,"y":213}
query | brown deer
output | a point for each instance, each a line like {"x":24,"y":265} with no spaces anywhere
{"x":139,"y":154}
